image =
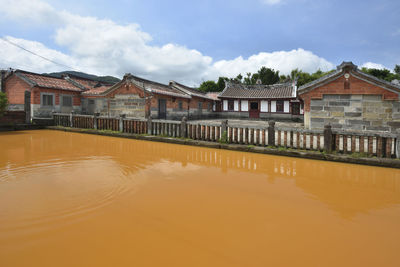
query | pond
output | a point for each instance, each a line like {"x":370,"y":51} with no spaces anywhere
{"x":69,"y":199}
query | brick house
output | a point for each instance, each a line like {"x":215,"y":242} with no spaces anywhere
{"x":138,"y":97}
{"x":277,"y":101}
{"x":200,"y":104}
{"x":352,"y":100}
{"x":133,"y":96}
{"x":48,"y":94}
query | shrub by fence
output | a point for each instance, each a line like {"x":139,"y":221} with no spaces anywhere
{"x":372,"y":144}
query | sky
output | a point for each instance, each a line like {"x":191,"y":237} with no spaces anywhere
{"x":194,"y":41}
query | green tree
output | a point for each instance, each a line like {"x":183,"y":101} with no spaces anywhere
{"x":238,"y":78}
{"x":3,"y":103}
{"x":221,"y":83}
{"x":305,"y":77}
{"x":209,"y":86}
{"x":267,"y":76}
{"x":383,"y":74}
{"x":397,"y":69}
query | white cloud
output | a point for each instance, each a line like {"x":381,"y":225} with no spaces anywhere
{"x":103,"y":47}
{"x":372,"y":65}
{"x":271,"y":2}
{"x":12,"y":56}
{"x":284,"y":61}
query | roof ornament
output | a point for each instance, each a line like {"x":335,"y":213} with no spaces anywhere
{"x":347,"y":65}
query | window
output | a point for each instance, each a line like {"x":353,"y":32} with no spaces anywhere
{"x":209,"y":106}
{"x":279,"y":106}
{"x":91,"y":101}
{"x":66,"y":101}
{"x":346,"y":84}
{"x":231,"y":105}
{"x":180,"y":106}
{"x":47,"y":100}
{"x":200,"y":105}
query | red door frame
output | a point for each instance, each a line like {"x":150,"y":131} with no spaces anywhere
{"x":254,"y":113}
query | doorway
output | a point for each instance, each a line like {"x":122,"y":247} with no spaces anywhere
{"x":254,"y":110}
{"x":162,"y":109}
{"x":296,"y":108}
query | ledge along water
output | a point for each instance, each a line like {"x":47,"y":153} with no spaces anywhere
{"x":72,"y":199}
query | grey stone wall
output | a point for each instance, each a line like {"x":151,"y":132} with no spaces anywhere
{"x":46,"y":112}
{"x":130,"y":105}
{"x":263,"y":116}
{"x":15,"y":107}
{"x":192,"y":114}
{"x":355,"y":112}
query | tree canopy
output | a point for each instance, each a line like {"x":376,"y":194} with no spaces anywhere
{"x":270,"y":76}
{"x":384,"y":74}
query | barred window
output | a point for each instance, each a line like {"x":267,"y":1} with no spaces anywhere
{"x":47,"y":100}
{"x":279,"y":106}
{"x":180,"y":105}
{"x":231,"y":105}
{"x":66,"y":101}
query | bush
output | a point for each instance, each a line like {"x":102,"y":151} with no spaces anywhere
{"x":3,"y":103}
{"x":224,"y":138}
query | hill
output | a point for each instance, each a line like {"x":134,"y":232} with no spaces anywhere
{"x":104,"y":79}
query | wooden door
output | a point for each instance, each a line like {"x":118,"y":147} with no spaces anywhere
{"x":162,"y":109}
{"x":254,"y":110}
{"x":296,"y":108}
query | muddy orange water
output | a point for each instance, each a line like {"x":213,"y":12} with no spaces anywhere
{"x":69,"y":199}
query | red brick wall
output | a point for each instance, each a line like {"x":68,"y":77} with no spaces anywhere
{"x":126,"y":89}
{"x":15,"y":89}
{"x":357,"y":87}
{"x":11,"y":117}
{"x":35,"y":96}
{"x":194,"y":102}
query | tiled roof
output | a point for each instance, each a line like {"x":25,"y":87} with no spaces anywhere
{"x":189,"y":90}
{"x":47,"y":81}
{"x":96,"y":90}
{"x":236,"y":90}
{"x":92,"y":87}
{"x":157,"y":88}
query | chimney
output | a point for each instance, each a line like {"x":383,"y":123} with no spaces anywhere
{"x":258,"y":81}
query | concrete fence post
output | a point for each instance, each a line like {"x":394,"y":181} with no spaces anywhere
{"x":149,"y":125}
{"x":224,"y":126}
{"x":183,"y":132}
{"x":53,"y":118}
{"x":328,"y":138}
{"x":71,"y":119}
{"x":95,"y":120}
{"x":271,"y":133}
{"x":398,"y":146}
{"x":121,"y":122}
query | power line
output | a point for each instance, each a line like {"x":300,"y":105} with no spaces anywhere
{"x":33,"y":53}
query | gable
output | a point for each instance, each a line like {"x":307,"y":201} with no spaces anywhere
{"x":355,"y":86}
{"x":126,"y":89}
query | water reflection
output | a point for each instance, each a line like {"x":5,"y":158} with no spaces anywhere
{"x":346,"y":189}
{"x":102,"y":201}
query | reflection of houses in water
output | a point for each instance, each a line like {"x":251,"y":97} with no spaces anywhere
{"x":345,"y":188}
